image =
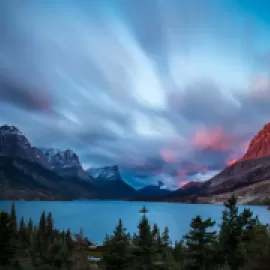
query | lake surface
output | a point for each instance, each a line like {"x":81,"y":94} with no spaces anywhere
{"x":97,"y":218}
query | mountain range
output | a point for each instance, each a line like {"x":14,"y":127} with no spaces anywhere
{"x":31,"y":173}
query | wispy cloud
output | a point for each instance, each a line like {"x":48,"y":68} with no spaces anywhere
{"x":171,"y":96}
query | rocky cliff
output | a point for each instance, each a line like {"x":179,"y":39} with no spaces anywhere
{"x":65,"y":162}
{"x":109,"y":180}
{"x":14,"y":144}
{"x":259,"y":145}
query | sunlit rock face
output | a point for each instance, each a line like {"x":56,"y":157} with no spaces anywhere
{"x":259,"y":145}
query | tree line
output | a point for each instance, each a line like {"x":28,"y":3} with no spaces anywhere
{"x":241,"y":243}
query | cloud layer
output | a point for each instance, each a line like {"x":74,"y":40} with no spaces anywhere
{"x":168,"y":91}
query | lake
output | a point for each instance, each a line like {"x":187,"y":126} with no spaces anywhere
{"x":97,"y":218}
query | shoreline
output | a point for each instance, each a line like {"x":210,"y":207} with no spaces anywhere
{"x":243,"y":202}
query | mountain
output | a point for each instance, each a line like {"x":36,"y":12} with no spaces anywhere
{"x":245,"y":176}
{"x":108,"y":180}
{"x":66,"y":163}
{"x":109,"y":173}
{"x":27,"y":172}
{"x":259,"y":145}
{"x":152,"y":191}
{"x":24,"y":179}
{"x":14,"y":144}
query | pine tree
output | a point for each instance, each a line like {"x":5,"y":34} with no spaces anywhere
{"x":34,"y":246}
{"x":157,"y":245}
{"x":179,"y":253}
{"x":42,"y":223}
{"x":118,"y":254}
{"x":145,"y":250}
{"x":29,"y":230}
{"x":237,"y":234}
{"x":7,"y":239}
{"x":13,"y":217}
{"x":49,"y":225}
{"x":23,"y":233}
{"x":167,"y":251}
{"x":41,"y":232}
{"x":57,"y":254}
{"x":199,"y":244}
{"x":69,"y":241}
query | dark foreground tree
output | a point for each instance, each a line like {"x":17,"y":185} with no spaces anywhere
{"x":199,"y":242}
{"x":145,"y":249}
{"x":117,"y":249}
{"x":239,"y":234}
{"x":7,"y":239}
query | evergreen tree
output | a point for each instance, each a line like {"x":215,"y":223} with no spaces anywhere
{"x":7,"y":239}
{"x":30,"y":226}
{"x":34,"y":247}
{"x":157,"y":245}
{"x":167,"y":251}
{"x":58,"y":255}
{"x":69,"y":241}
{"x":42,"y":224}
{"x":237,"y":234}
{"x":179,"y":253}
{"x":165,"y":238}
{"x":49,"y":225}
{"x":199,"y":242}
{"x":13,"y":217}
{"x":41,"y":232}
{"x":118,"y":254}
{"x":23,"y":237}
{"x":29,"y":230}
{"x":145,"y":250}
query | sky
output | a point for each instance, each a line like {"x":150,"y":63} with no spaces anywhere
{"x":169,"y":91}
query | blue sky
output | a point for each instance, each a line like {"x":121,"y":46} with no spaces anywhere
{"x":168,"y":90}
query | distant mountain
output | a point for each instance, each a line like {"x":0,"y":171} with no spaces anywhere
{"x":108,"y":180}
{"x":66,"y":163}
{"x":152,"y":191}
{"x":109,"y":173}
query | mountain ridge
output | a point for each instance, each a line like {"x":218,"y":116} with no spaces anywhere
{"x":251,"y":169}
{"x":28,"y":170}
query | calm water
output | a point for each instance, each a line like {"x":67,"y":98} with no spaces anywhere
{"x":97,"y":218}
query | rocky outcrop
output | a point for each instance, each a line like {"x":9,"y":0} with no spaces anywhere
{"x":66,"y":163}
{"x":109,"y":173}
{"x":259,"y":145}
{"x":108,"y":180}
{"x":14,"y":144}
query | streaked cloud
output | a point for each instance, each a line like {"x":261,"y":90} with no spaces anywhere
{"x":170,"y":97}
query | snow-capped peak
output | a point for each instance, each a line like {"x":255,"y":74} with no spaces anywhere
{"x":106,"y":173}
{"x":9,"y":130}
{"x":61,"y":159}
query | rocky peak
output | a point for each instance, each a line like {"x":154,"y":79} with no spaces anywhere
{"x":9,"y":130}
{"x":14,"y":144}
{"x":259,"y":145}
{"x":110,"y":173}
{"x":10,"y":134}
{"x":61,"y":159}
